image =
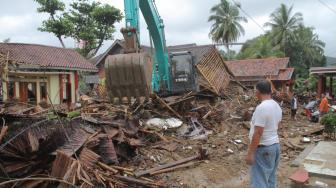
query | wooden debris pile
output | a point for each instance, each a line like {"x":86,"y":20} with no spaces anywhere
{"x":13,"y":110}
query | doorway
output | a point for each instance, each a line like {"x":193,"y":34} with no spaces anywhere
{"x":28,"y":92}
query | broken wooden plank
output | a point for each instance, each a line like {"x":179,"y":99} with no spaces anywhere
{"x":172,"y":164}
{"x":139,"y":182}
{"x":181,"y":101}
{"x":108,"y":168}
{"x":318,"y":130}
{"x":123,"y":168}
{"x":292,"y":145}
{"x":3,"y":132}
{"x":163,"y":103}
{"x":172,"y":168}
{"x":88,"y":158}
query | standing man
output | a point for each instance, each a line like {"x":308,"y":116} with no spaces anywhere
{"x":264,"y":150}
{"x":294,"y":107}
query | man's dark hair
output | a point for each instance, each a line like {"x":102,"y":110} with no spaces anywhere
{"x":264,"y":87}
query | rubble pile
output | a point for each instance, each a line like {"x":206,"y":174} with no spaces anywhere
{"x":106,"y":145}
{"x":100,"y":144}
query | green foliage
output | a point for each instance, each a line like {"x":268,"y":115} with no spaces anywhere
{"x":50,"y":6}
{"x":305,"y":50}
{"x":87,"y":22}
{"x":288,"y":37}
{"x":283,"y":23}
{"x":230,"y":55}
{"x":259,"y":47}
{"x":329,"y":122}
{"x":305,"y":84}
{"x":73,"y":114}
{"x":60,"y":26}
{"x":226,"y":25}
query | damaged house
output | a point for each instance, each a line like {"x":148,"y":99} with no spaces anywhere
{"x":31,"y":72}
{"x":213,"y":73}
{"x":250,"y":71}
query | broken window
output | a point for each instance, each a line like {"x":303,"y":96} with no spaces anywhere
{"x":66,"y":87}
{"x":43,"y":90}
{"x":32,"y":93}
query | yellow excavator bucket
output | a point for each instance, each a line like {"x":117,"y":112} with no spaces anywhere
{"x":128,"y":75}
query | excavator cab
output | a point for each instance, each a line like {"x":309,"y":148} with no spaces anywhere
{"x":184,"y":77}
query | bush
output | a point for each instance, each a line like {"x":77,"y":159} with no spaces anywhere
{"x":329,"y":122}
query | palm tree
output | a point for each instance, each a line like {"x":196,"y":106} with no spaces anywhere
{"x":226,"y":20}
{"x":259,"y":47}
{"x":311,"y":46}
{"x":283,"y":23}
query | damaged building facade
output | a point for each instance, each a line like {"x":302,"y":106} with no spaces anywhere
{"x":250,"y":71}
{"x":32,"y":72}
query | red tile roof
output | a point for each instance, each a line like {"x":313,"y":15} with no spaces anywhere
{"x":46,"y":56}
{"x":285,"y":74}
{"x":257,"y":67}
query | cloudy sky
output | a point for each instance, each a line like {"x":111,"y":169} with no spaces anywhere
{"x":185,"y":20}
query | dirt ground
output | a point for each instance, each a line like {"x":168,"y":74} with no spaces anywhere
{"x":229,"y":170}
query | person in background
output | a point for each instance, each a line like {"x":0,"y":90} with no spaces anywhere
{"x":294,"y":107}
{"x":264,"y":150}
{"x":324,"y":105}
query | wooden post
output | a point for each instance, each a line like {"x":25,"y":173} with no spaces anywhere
{"x":331,"y":78}
{"x":61,"y":88}
{"x":320,"y":86}
{"x":324,"y":84}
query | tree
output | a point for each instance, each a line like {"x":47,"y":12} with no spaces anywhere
{"x":55,"y":24}
{"x":283,"y":23}
{"x":88,"y":23}
{"x":306,"y":50}
{"x":229,"y":55}
{"x":226,"y":20}
{"x":259,"y":47}
{"x":7,"y":40}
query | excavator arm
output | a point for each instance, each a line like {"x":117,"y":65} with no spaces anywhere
{"x":161,"y":80}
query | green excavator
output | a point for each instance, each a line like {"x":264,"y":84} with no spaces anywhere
{"x":138,"y":74}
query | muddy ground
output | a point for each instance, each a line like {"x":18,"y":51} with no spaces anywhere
{"x":229,"y":170}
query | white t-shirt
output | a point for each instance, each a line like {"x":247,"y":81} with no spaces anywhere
{"x":268,"y":114}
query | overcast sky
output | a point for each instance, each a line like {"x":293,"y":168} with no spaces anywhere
{"x":185,"y":20}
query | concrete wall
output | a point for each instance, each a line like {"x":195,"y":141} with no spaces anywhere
{"x":53,"y":86}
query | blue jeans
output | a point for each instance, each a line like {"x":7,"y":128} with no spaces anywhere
{"x":263,"y":171}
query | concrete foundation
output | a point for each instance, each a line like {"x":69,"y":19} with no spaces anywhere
{"x":321,"y":160}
